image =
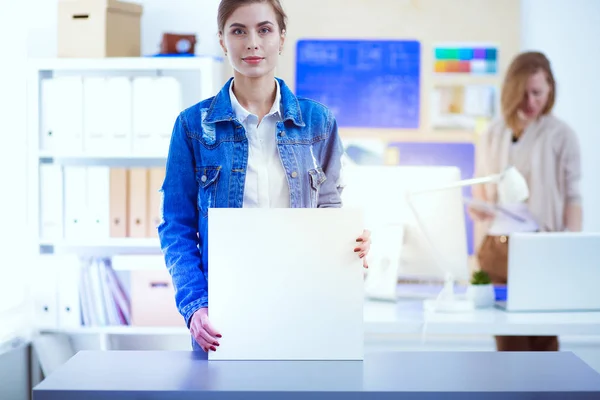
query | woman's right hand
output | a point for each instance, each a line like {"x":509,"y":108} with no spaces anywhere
{"x":204,"y":334}
{"x":477,"y":214}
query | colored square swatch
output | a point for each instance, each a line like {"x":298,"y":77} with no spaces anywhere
{"x":491,"y":54}
{"x":464,"y":66}
{"x":453,"y":66}
{"x":441,"y":54}
{"x":440,"y":66}
{"x":479,"y":54}
{"x":479,"y":66}
{"x":465,"y":54}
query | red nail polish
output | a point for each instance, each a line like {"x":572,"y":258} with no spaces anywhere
{"x":216,"y":343}
{"x":213,"y":348}
{"x":362,"y":255}
{"x":219,"y":336}
{"x":356,"y":250}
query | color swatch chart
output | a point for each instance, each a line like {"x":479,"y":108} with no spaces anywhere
{"x":466,"y":60}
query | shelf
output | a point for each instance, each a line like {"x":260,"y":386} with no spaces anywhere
{"x":406,"y":135}
{"x":123,"y":64}
{"x":102,"y":247}
{"x":125,"y":160}
{"x":53,"y":154}
{"x":120,"y":330}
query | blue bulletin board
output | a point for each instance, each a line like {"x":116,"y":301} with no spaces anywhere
{"x":372,"y":84}
{"x":461,"y":155}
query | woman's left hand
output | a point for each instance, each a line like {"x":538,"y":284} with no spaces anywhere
{"x":363,"y":247}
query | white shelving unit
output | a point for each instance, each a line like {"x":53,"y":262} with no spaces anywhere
{"x":127,"y":64}
{"x":104,"y":247}
{"x":200,"y":78}
{"x":206,"y":79}
{"x":102,"y":159}
{"x":121,"y":330}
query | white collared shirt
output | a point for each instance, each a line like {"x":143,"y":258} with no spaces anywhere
{"x":266,"y":183}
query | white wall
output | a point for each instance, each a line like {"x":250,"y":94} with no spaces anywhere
{"x":568,"y":31}
{"x":14,"y":364}
{"x":13,"y":163}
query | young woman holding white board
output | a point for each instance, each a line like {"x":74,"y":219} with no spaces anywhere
{"x":255,"y":144}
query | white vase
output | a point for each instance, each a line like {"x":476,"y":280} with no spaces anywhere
{"x":482,"y":296}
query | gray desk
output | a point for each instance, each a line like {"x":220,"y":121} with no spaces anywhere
{"x":125,"y":375}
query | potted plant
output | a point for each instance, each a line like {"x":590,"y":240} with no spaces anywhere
{"x":480,"y":290}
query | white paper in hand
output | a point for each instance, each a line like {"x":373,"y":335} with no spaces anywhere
{"x":285,"y":284}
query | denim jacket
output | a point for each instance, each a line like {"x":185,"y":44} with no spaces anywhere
{"x":206,"y":167}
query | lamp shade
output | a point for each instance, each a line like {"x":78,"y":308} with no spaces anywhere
{"x":512,"y":187}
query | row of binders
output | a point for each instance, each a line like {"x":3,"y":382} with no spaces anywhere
{"x":70,"y":292}
{"x":113,"y":114}
{"x":73,"y":292}
{"x":99,"y":202}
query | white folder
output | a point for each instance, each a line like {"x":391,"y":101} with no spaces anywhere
{"x":119,"y":110}
{"x":76,"y":215}
{"x":49,"y":106}
{"x":86,"y":295}
{"x":67,"y":115}
{"x":169,"y":93}
{"x":51,"y":207}
{"x":69,"y":305}
{"x":144,"y":109}
{"x":98,"y":201}
{"x":95,"y":122}
{"x":44,"y":288}
{"x":97,"y":292}
{"x":293,"y":287}
{"x":157,"y":102}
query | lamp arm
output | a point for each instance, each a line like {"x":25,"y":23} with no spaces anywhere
{"x":458,"y":184}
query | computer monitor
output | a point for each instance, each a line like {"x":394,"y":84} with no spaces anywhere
{"x":402,"y":248}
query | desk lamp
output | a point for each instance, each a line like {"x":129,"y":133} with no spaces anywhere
{"x":512,"y":188}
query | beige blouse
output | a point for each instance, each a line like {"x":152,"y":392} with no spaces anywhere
{"x":548,"y":156}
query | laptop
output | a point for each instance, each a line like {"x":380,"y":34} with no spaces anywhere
{"x":553,"y":271}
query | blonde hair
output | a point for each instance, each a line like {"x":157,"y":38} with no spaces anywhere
{"x":513,"y":88}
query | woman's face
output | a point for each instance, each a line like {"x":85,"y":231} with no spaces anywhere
{"x":537,"y":90}
{"x":252,"y":40}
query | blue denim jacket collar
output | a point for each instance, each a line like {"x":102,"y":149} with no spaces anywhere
{"x":220,"y":109}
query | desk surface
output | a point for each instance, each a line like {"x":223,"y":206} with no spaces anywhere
{"x":406,"y":316}
{"x":119,"y":375}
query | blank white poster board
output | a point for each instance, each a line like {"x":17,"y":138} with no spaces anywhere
{"x":285,"y":284}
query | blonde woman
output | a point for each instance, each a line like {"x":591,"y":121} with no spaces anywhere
{"x":545,"y":150}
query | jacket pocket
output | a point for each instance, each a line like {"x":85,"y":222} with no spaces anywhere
{"x":317,"y":177}
{"x":207,"y":179}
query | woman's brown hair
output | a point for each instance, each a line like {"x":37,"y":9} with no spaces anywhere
{"x":228,"y":7}
{"x":513,"y":89}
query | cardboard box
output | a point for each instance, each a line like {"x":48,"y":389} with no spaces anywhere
{"x":153,"y":299}
{"x":99,"y":28}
